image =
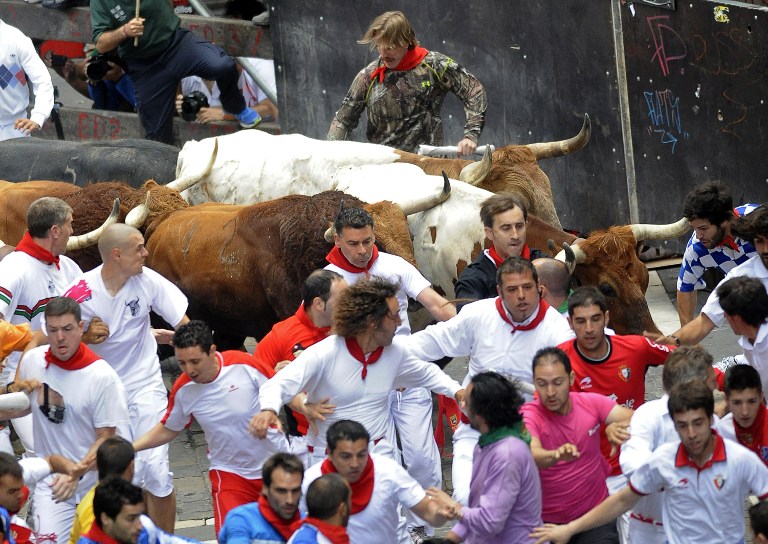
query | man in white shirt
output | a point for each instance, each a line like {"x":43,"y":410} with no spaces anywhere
{"x":122,"y":292}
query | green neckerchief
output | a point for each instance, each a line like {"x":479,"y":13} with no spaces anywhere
{"x":564,"y":306}
{"x":518,"y":431}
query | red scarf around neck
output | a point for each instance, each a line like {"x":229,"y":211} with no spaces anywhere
{"x":543,"y":306}
{"x":362,"y":489}
{"x":96,"y":534}
{"x":335,"y":256}
{"x":335,"y":533}
{"x":318,"y":333}
{"x":81,"y":359}
{"x":286,"y":527}
{"x":27,"y":245}
{"x":357,"y":352}
{"x":497,"y":260}
{"x":412,"y":59}
{"x":753,"y":437}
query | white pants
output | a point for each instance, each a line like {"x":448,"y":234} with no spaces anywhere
{"x":53,"y":521}
{"x":152,"y":470}
{"x":616,"y":484}
{"x":641,"y":532}
{"x":464,"y":440}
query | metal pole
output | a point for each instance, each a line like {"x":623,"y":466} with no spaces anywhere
{"x":270,"y":91}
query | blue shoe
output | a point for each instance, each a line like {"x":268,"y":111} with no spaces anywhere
{"x":248,"y":118}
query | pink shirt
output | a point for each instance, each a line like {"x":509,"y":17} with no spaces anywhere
{"x":570,"y":489}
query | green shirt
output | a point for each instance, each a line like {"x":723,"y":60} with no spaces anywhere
{"x":159,"y":25}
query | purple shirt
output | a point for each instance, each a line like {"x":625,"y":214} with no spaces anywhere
{"x":504,"y":496}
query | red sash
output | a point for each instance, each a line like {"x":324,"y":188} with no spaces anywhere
{"x":81,"y":359}
{"x":362,"y":489}
{"x":335,"y":256}
{"x":412,"y":59}
{"x":357,"y":352}
{"x":28,"y":246}
{"x":286,"y":527}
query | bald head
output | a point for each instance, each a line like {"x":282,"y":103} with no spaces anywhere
{"x":117,"y":236}
{"x":553,"y":275}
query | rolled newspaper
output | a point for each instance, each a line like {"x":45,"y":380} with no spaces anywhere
{"x":449,"y":150}
{"x":14,"y":402}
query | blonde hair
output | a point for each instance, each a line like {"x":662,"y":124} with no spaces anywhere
{"x":390,"y":29}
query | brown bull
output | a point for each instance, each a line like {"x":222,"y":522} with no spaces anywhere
{"x":514,"y":169}
{"x":242,"y":267}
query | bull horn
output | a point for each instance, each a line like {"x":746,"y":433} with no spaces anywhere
{"x":579,"y":257}
{"x":660,"y":232}
{"x":424,"y":204}
{"x":329,"y":234}
{"x":549,"y":150}
{"x":90,"y":238}
{"x":182,"y":184}
{"x":474,"y":173}
{"x":139,"y":214}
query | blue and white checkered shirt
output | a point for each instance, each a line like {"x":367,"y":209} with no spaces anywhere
{"x":698,"y":258}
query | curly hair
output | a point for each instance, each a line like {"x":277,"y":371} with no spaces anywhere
{"x":496,"y":399}
{"x":361,"y":305}
{"x":711,"y":201}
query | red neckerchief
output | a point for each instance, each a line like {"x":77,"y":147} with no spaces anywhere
{"x":412,"y":59}
{"x":286,"y":527}
{"x":335,"y":256}
{"x":96,"y":534}
{"x":318,"y":333}
{"x":497,"y":260}
{"x":362,"y":489}
{"x":357,"y":352}
{"x":28,"y":246}
{"x":24,"y":497}
{"x":728,"y":240}
{"x":543,"y":307}
{"x":335,"y":533}
{"x":81,"y":359}
{"x":752,"y":437}
{"x":21,"y":534}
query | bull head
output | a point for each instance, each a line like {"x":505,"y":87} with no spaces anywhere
{"x":90,"y":238}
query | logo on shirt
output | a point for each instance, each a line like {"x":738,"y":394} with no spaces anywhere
{"x":79,"y":292}
{"x":764,"y":453}
{"x":593,"y":430}
{"x":719,"y":482}
{"x":585,"y":383}
{"x":624,"y":373}
{"x":133,"y":305}
{"x":683,"y":482}
{"x":233,"y":387}
{"x":51,"y":288}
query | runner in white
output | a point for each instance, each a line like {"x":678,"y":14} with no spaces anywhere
{"x":122,"y":293}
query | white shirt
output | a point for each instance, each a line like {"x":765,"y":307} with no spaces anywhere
{"x":396,"y":270}
{"x":94,"y":398}
{"x":26,"y":286}
{"x":378,"y":522}
{"x":224,"y":408}
{"x":753,"y":268}
{"x":131,"y":348}
{"x":480,"y":332}
{"x":757,"y":353}
{"x":327,"y":370}
{"x":703,"y":504}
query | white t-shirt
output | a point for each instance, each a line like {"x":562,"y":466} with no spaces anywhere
{"x":131,"y":348}
{"x":26,"y":286}
{"x":480,"y":332}
{"x":396,"y":270}
{"x":224,"y":408}
{"x":392,"y":485}
{"x":703,"y":504}
{"x":754,"y":268}
{"x":93,"y":398}
{"x":757,"y":353}
{"x":326,"y":370}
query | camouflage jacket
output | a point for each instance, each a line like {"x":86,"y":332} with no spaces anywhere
{"x":404,"y":110}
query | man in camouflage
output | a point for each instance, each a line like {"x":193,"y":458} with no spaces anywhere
{"x":403,"y":91}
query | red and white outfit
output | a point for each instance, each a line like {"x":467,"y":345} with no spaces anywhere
{"x":92,"y":397}
{"x":570,"y":489}
{"x":223,"y":408}
{"x":703,"y":504}
{"x":287,"y":339}
{"x":131,"y":350}
{"x":29,"y":278}
{"x":484,"y":330}
{"x":412,"y":407}
{"x":34,"y":470}
{"x":754,"y":437}
{"x":360,"y":390}
{"x":383,"y":486}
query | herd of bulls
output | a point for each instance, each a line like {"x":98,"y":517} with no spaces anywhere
{"x":244,"y":221}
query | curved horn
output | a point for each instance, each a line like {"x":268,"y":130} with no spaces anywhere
{"x":579,"y":257}
{"x":139,"y":214}
{"x":182,"y":184}
{"x":329,"y":234}
{"x":424,"y":204}
{"x":90,"y":238}
{"x":660,"y":232}
{"x":474,"y":173}
{"x":549,"y":150}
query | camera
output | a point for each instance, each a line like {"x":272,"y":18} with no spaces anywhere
{"x":191,"y":104}
{"x":99,"y":65}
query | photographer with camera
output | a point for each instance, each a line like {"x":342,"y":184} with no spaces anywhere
{"x":158,"y":53}
{"x":109,"y":86}
{"x":22,"y":65}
